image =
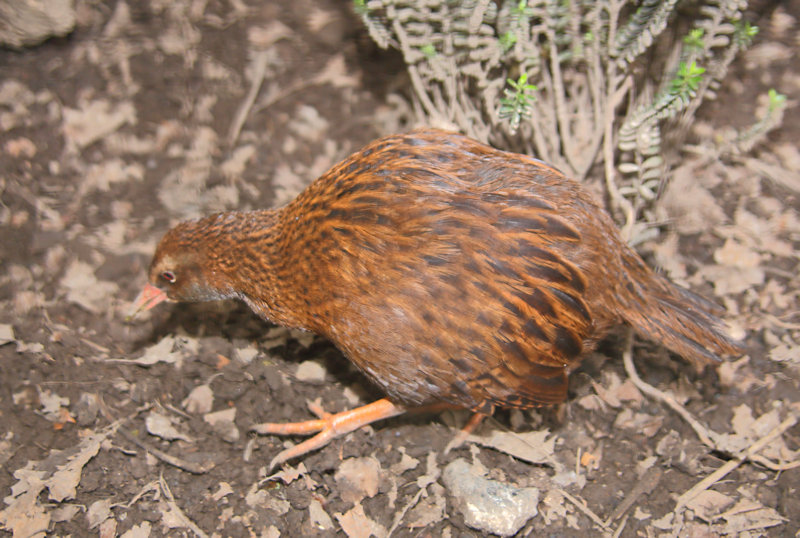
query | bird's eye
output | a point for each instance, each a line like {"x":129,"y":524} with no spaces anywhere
{"x":169,"y":276}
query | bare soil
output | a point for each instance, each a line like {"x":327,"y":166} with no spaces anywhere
{"x":115,"y":133}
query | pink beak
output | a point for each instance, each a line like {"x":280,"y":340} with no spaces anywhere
{"x":149,"y":297}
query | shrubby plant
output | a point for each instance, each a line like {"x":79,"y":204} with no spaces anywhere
{"x":573,"y":82}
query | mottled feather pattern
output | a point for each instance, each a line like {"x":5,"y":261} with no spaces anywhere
{"x":449,"y":271}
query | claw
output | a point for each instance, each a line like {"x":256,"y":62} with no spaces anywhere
{"x":329,"y":426}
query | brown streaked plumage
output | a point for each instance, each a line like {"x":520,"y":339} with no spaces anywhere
{"x":446,"y":270}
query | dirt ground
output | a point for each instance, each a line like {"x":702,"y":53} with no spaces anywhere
{"x":116,"y":427}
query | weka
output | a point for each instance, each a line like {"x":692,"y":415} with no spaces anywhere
{"x":448,"y":271}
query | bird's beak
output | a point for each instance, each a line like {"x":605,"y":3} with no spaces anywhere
{"x":147,"y":299}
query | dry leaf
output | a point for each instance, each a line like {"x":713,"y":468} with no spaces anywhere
{"x":164,"y":427}
{"x":246,"y":355}
{"x":310,"y":371}
{"x":749,"y":515}
{"x":737,"y":374}
{"x":356,"y":524}
{"x":98,"y":512}
{"x":646,"y":424}
{"x":94,"y":120}
{"x":747,"y":430}
{"x":318,"y":517}
{"x":287,"y":475}
{"x":406,"y":463}
{"x":708,"y":504}
{"x":308,"y":124}
{"x":734,"y":253}
{"x":336,"y":74}
{"x":689,"y":206}
{"x":358,"y":478}
{"x":223,"y":424}
{"x":224,"y":490}
{"x":64,"y":512}
{"x":200,"y":400}
{"x":533,"y":447}
{"x":591,"y":402}
{"x":237,"y":163}
{"x":142,"y":530}
{"x":166,"y":350}
{"x":264,"y":37}
{"x":52,"y":405}
{"x":287,"y":184}
{"x":552,"y":508}
{"x":108,"y":528}
{"x":429,"y":510}
{"x":84,"y":289}
{"x":101,"y":176}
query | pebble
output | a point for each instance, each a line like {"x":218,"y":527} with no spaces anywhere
{"x":489,"y":505}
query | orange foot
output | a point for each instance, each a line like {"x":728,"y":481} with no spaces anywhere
{"x":329,"y":426}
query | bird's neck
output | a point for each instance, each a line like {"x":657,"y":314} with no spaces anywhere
{"x":258,"y":270}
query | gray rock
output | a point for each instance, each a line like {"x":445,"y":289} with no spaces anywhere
{"x":489,"y":505}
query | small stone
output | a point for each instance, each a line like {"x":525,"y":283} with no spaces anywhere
{"x":489,"y":505}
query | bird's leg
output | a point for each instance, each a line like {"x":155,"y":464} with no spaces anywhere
{"x":465,"y":432}
{"x":329,"y":426}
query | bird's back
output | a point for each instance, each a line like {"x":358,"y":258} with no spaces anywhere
{"x":448,"y":270}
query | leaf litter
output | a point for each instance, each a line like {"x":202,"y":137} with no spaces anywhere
{"x":180,"y":160}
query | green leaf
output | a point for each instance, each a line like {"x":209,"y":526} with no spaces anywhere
{"x":687,"y":79}
{"x":428,"y":50}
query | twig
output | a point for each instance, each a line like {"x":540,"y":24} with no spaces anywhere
{"x":621,"y":527}
{"x":176,"y":510}
{"x":730,"y":465}
{"x":708,"y":437}
{"x":703,"y":433}
{"x":194,"y":468}
{"x":567,"y":143}
{"x":644,"y":486}
{"x":398,"y":518}
{"x":581,"y":505}
{"x":260,"y":71}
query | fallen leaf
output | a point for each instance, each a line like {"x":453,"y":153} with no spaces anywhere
{"x":429,"y":510}
{"x":98,"y":512}
{"x":310,"y":371}
{"x":533,"y":447}
{"x":142,"y":530}
{"x":748,"y":515}
{"x":164,"y":427}
{"x":85,"y":290}
{"x":64,"y":512}
{"x":263,"y":37}
{"x":108,"y":528}
{"x":166,"y":350}
{"x":318,"y":517}
{"x":223,"y":490}
{"x":358,"y":478}
{"x":708,"y":504}
{"x":246,"y":355}
{"x":52,"y":405}
{"x":6,"y":334}
{"x":646,"y":424}
{"x":200,"y":400}
{"x":356,"y":524}
{"x":94,"y":120}
{"x":235,"y":166}
{"x":223,"y":424}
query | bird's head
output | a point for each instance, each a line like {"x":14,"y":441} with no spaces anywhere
{"x":185,"y":267}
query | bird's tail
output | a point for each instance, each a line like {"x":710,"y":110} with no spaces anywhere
{"x":680,"y":320}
